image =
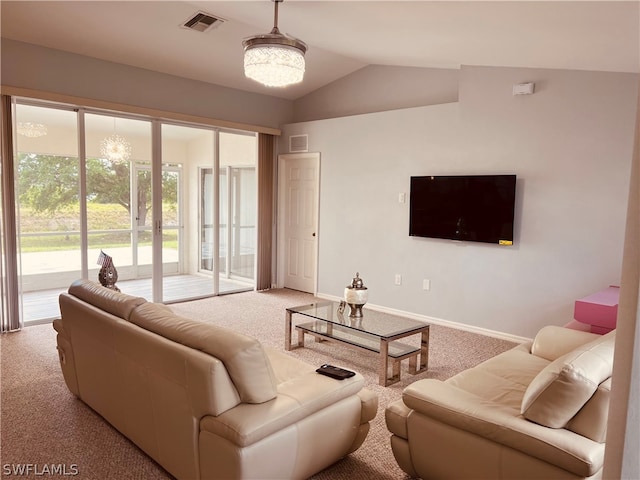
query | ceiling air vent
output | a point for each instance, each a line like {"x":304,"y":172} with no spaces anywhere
{"x":299,"y":143}
{"x":201,"y":22}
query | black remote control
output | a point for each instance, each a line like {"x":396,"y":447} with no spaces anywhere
{"x":335,"y":372}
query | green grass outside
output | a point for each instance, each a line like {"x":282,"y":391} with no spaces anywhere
{"x":99,"y":217}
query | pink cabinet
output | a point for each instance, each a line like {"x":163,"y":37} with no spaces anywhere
{"x":598,"y":311}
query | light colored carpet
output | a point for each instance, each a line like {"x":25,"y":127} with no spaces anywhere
{"x":42,"y":423}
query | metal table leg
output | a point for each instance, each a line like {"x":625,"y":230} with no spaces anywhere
{"x":384,"y":362}
{"x":287,"y":331}
{"x":384,"y":378}
{"x":424,"y":350}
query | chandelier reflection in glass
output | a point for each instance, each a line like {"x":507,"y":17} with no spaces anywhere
{"x":32,"y":130}
{"x":274,"y":59}
{"x":115,"y":148}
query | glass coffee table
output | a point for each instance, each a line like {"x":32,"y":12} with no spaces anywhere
{"x":375,"y":332}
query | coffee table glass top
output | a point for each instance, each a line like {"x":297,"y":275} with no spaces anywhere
{"x":376,"y":323}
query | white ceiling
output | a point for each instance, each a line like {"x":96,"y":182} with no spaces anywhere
{"x":343,"y":36}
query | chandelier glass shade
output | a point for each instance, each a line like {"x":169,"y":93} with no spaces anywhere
{"x":115,"y":148}
{"x":274,"y":59}
{"x":32,"y":130}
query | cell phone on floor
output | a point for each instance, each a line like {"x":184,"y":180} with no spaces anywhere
{"x":335,"y":372}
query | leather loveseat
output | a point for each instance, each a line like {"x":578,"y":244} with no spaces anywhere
{"x":204,"y":401}
{"x":538,"y":411}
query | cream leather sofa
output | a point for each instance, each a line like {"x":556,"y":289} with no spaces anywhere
{"x":204,"y":401}
{"x":538,"y":411}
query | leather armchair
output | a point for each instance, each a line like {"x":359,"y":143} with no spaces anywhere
{"x":536,"y":411}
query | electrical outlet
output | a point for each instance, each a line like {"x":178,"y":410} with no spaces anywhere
{"x":426,"y":284}
{"x":398,"y":280}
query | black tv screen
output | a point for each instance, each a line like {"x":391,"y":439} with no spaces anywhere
{"x":474,"y":208}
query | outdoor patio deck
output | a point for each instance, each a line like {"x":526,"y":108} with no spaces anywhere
{"x":43,"y":305}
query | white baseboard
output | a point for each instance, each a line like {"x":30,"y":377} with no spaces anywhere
{"x":437,"y":321}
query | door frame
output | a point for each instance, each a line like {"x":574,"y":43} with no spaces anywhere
{"x":280,"y":227}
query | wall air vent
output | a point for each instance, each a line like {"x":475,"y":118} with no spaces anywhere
{"x":299,"y":143}
{"x":202,"y":22}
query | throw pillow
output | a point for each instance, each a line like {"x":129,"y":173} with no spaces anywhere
{"x":560,"y":390}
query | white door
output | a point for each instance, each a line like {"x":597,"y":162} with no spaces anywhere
{"x":298,"y":186}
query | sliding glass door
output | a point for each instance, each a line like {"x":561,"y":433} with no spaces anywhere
{"x":237,"y":222}
{"x":186,"y":150}
{"x":237,"y":198}
{"x":207,"y":220}
{"x":118,"y":197}
{"x":173,"y":205}
{"x":47,"y":169}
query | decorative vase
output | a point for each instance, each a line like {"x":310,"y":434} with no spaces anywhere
{"x":356,"y":296}
{"x":108,"y":275}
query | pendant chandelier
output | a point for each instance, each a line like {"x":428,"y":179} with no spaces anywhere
{"x":115,"y":148}
{"x":274,"y":59}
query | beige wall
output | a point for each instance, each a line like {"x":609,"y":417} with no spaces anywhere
{"x":372,"y":89}
{"x":378,"y":88}
{"x":623,"y":433}
{"x":39,"y":68}
{"x":570,"y":145}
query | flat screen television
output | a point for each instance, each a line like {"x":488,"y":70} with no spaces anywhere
{"x":474,"y":208}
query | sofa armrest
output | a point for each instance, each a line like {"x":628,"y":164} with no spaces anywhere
{"x":66,"y":357}
{"x":369,"y":401}
{"x":464,"y":410}
{"x":297,"y":399}
{"x":58,"y":326}
{"x":552,"y":341}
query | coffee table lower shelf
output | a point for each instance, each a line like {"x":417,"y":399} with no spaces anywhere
{"x":394,"y":350}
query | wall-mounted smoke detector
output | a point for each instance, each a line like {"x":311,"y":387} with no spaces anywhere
{"x":523,"y":88}
{"x":202,"y":22}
